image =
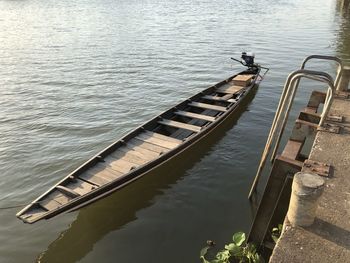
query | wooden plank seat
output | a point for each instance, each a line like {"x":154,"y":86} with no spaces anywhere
{"x":231,"y":90}
{"x":185,"y":134}
{"x":66,"y":191}
{"x":180,"y":125}
{"x":81,"y":187}
{"x":207,"y":106}
{"x":227,"y":98}
{"x":216,"y":98}
{"x":195,"y":115}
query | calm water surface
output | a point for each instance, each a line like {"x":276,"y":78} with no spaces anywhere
{"x":77,"y":75}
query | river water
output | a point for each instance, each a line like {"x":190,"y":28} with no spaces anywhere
{"x":77,"y":75}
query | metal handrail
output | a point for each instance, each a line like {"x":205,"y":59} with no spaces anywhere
{"x":293,"y":79}
{"x":336,"y":83}
{"x":340,"y":68}
{"x":324,"y":77}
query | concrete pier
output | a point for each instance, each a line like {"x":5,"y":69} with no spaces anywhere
{"x":328,"y":238}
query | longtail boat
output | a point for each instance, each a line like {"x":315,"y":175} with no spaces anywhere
{"x":146,"y":147}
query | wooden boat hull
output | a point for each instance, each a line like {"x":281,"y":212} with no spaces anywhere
{"x":168,"y":134}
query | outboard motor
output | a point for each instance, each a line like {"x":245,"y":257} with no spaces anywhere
{"x":248,"y":59}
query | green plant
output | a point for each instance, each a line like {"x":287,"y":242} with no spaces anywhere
{"x":237,"y":251}
{"x":276,"y":232}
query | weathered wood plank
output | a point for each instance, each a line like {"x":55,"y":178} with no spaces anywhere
{"x":128,"y":157}
{"x":243,"y":80}
{"x":140,"y":150}
{"x":49,"y":204}
{"x":121,"y":165}
{"x":292,"y":149}
{"x":215,"y":98}
{"x":97,"y":179}
{"x":180,"y":133}
{"x":60,"y":197}
{"x":207,"y":106}
{"x":156,"y":141}
{"x":195,"y":115}
{"x":66,"y":191}
{"x":80,"y":186}
{"x":180,"y":125}
{"x":34,"y":213}
{"x":132,"y":151}
{"x":227,"y":96}
{"x":164,"y":137}
{"x":232,"y":90}
{"x":148,"y":146}
{"x":100,"y":174}
{"x":110,"y":173}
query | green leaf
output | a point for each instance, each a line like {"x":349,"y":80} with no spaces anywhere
{"x":203,"y":251}
{"x":223,"y":255}
{"x":251,"y":248}
{"x":234,"y":249}
{"x":231,"y":246}
{"x":238,"y":238}
{"x":276,"y":232}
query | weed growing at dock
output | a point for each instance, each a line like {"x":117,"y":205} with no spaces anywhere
{"x":237,"y":251}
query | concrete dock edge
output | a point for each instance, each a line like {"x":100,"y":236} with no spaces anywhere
{"x":328,"y":238}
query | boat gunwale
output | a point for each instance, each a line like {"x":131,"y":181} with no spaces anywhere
{"x":133,"y":175}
